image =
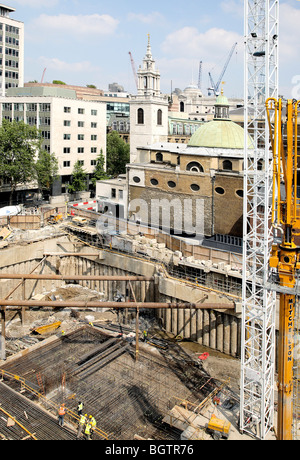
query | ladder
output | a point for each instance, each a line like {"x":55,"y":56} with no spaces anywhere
{"x":40,"y":383}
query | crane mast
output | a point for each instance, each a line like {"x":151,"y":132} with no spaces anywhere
{"x":259,"y":302}
{"x":133,"y":69}
{"x":285,"y":257}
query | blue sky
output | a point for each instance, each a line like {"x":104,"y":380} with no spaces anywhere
{"x":87,"y":42}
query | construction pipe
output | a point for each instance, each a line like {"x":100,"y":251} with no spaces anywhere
{"x":116,"y":305}
{"x":8,"y":276}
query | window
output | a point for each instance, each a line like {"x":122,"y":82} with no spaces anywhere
{"x":81,"y":162}
{"x":159,"y":117}
{"x":136,"y":179}
{"x":67,"y":164}
{"x":181,"y":106}
{"x":121,"y":194}
{"x":67,"y":123}
{"x":94,"y":112}
{"x":81,"y":137}
{"x":81,"y":124}
{"x":80,"y":150}
{"x":159,"y":157}
{"x":227,"y":165}
{"x":154,"y":182}
{"x":240,"y":193}
{"x":67,"y":109}
{"x":81,"y":111}
{"x":93,"y":162}
{"x":140,"y":114}
{"x":93,"y":125}
{"x":94,"y":137}
{"x":171,"y":184}
{"x":195,"y":187}
{"x":67,"y":137}
{"x":194,"y":166}
{"x":220,"y":190}
{"x":94,"y":150}
{"x":113,"y":193}
{"x":67,"y":150}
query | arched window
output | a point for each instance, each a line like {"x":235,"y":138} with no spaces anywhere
{"x":159,"y":117}
{"x":227,"y":165}
{"x":140,"y":116}
{"x":159,"y":157}
{"x":194,"y":166}
{"x":181,"y":106}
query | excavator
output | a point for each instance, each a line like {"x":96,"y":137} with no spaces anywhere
{"x":285,"y":256}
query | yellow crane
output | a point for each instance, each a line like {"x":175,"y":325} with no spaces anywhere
{"x":285,"y":256}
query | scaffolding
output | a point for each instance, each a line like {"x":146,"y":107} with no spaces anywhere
{"x":258,"y":319}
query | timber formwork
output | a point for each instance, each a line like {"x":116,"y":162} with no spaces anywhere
{"x":127,"y":396}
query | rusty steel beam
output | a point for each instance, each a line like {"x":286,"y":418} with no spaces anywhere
{"x":23,"y":276}
{"x":116,"y":305}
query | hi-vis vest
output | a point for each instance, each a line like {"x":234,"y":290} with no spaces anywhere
{"x":88,"y":429}
{"x":82,"y":420}
{"x":62,"y":411}
{"x":80,"y":406}
{"x":93,"y":423}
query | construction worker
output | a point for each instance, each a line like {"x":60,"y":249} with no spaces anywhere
{"x":87,"y":431}
{"x":93,"y":424}
{"x":145,"y":335}
{"x":61,"y":414}
{"x":79,"y":408}
{"x":82,"y":422}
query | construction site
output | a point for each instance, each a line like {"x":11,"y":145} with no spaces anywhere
{"x":86,"y":306}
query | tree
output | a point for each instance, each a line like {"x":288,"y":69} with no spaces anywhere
{"x":46,"y":170}
{"x":19,"y":145}
{"x":79,"y":179}
{"x":99,"y":172}
{"x":118,"y":154}
{"x":58,"y":82}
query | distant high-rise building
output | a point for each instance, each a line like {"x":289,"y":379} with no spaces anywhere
{"x":11,"y":50}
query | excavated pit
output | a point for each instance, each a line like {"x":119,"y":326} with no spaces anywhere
{"x":127,"y":396}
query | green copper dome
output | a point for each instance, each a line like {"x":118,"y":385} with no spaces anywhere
{"x":219,"y":134}
{"x":222,"y":100}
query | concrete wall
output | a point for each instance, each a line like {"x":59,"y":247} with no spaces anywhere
{"x":215,"y":329}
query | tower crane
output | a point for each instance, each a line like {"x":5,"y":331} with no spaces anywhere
{"x":133,"y":69}
{"x":258,"y":333}
{"x":200,"y":76}
{"x":285,"y":256}
{"x":215,"y":86}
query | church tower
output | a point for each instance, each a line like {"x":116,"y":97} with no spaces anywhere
{"x":148,"y":109}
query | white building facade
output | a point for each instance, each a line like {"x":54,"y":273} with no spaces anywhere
{"x":11,"y":51}
{"x":74,"y":130}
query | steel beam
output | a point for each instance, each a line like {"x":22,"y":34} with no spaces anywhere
{"x":23,"y":276}
{"x":116,"y":305}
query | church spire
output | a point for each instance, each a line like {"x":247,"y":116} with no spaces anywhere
{"x":149,"y":51}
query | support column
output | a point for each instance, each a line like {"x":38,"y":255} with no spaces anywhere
{"x":2,"y":337}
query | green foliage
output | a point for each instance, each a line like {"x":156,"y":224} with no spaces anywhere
{"x":79,"y":179}
{"x":58,"y":82}
{"x":99,"y":172}
{"x":19,"y":145}
{"x":118,"y":154}
{"x":46,"y":170}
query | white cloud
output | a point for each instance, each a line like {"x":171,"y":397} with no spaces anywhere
{"x":151,"y":18}
{"x":37,"y":3}
{"x":63,"y":66}
{"x":79,"y":25}
{"x":189,"y":42}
